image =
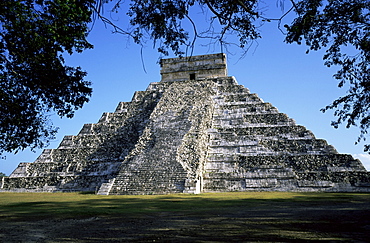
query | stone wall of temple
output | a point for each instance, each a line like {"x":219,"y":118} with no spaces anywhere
{"x":192,"y":68}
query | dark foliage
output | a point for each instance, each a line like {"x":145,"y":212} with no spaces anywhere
{"x":34,"y":80}
{"x":163,"y":21}
{"x":342,"y":27}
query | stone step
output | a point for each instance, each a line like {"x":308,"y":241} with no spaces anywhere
{"x":283,"y":184}
{"x":262,"y":131}
{"x":235,"y":98}
{"x":141,"y":186}
{"x":299,"y":163}
{"x":106,"y":187}
{"x":240,"y":112}
{"x":289,"y":146}
{"x":157,"y":86}
{"x":272,"y":172}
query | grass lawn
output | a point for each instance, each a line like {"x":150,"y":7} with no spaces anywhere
{"x":212,"y":217}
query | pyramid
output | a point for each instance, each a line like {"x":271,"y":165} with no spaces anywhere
{"x":197,"y":130}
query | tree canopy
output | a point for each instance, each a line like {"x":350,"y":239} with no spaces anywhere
{"x":34,"y":80}
{"x":342,"y":28}
{"x":34,"y":33}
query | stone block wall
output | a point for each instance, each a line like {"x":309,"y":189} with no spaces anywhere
{"x":194,"y":67}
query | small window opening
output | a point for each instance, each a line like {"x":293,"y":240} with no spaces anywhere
{"x":192,"y":76}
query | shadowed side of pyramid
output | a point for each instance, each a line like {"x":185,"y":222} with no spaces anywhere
{"x":84,"y":161}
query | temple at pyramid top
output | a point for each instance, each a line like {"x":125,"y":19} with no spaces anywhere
{"x":194,"y":67}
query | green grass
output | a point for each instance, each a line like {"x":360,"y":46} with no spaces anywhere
{"x":266,"y":216}
{"x":72,"y":205}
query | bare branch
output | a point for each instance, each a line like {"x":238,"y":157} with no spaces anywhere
{"x":214,"y":11}
{"x":195,"y":34}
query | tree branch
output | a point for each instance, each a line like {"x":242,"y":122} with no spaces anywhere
{"x":247,"y":9}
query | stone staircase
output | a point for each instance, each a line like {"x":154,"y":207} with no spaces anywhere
{"x":166,"y":154}
{"x":106,"y":187}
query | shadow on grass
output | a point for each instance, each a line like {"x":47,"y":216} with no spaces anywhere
{"x":214,"y":217}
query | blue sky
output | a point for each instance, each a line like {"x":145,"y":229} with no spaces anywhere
{"x":298,"y":84}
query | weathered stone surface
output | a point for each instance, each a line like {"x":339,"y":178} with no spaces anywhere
{"x":192,"y":68}
{"x":95,"y":155}
{"x":195,"y":131}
